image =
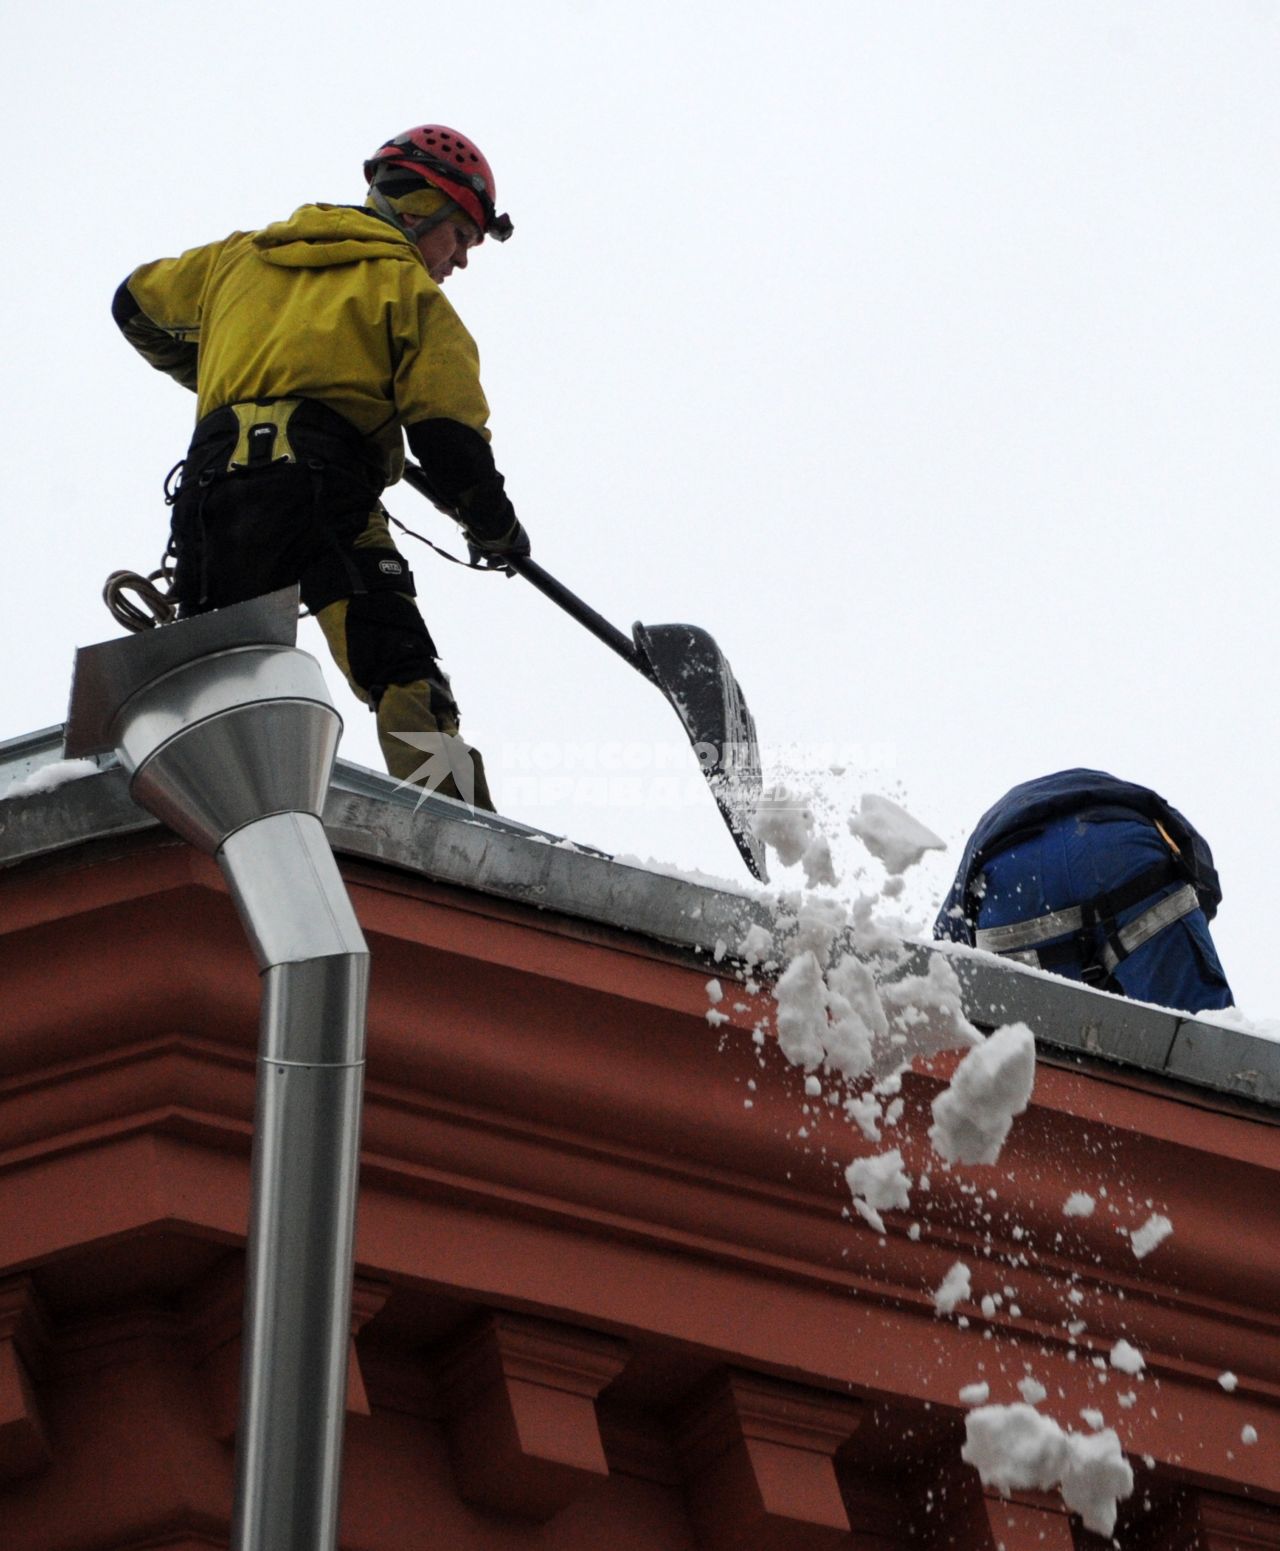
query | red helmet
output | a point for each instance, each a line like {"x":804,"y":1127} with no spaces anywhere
{"x":450,"y":162}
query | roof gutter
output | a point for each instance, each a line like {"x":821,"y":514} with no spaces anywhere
{"x":229,"y":736}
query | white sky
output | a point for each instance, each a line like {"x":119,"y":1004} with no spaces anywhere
{"x":925,"y":353}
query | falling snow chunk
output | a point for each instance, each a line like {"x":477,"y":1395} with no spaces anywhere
{"x":864,"y":1111}
{"x":1032,"y":1391}
{"x":1016,"y":1449}
{"x":1079,"y":1204}
{"x":1154,"y":1231}
{"x":1127,"y":1358}
{"x":756,"y":945}
{"x":891,"y":834}
{"x":1094,"y":1419}
{"x":975,"y":1394}
{"x":801,"y":996}
{"x":1228,"y":1381}
{"x":1248,"y":1434}
{"x":812,"y":1088}
{"x":785,"y":823}
{"x":878,"y":1184}
{"x":858,"y":1022}
{"x":953,"y":1289}
{"x":714,"y":1018}
{"x":927,"y":1013}
{"x":817,"y":863}
{"x":1128,"y":1399}
{"x":818,"y":923}
{"x":992,"y":1084}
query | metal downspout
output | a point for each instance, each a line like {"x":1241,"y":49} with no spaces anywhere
{"x":229,"y":737}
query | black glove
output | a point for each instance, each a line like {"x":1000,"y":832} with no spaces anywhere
{"x":492,"y":554}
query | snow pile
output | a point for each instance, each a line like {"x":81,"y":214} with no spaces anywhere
{"x":1233,"y":1018}
{"x":48,"y":777}
{"x":1015,"y":1449}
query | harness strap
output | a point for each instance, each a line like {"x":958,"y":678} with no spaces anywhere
{"x":1143,"y":928}
{"x":1017,"y":936}
{"x":1101,"y":910}
{"x":203,"y":485}
{"x":444,"y":554}
{"x":1121,"y":941}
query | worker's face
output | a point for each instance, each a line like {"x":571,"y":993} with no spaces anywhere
{"x":444,"y":248}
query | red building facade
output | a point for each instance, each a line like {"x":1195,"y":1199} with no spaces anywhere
{"x":608,"y":1292}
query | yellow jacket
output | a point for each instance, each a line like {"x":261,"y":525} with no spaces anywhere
{"x":335,"y":304}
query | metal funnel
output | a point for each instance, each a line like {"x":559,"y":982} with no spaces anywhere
{"x":229,"y":737}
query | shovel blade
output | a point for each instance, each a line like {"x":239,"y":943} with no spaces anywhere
{"x":695,"y":676}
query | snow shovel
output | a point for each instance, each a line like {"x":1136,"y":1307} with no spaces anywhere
{"x":693,"y":673}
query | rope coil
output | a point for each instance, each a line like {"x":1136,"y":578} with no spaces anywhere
{"x":153,"y":606}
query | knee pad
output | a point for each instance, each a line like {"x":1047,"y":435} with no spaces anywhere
{"x":388,"y":643}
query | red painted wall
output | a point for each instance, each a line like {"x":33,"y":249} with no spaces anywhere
{"x":600,"y":1301}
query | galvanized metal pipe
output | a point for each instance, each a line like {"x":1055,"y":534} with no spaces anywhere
{"x":293,"y":1378}
{"x":229,"y":735}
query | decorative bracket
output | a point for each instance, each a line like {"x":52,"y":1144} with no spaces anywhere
{"x":759,"y":1458}
{"x":519,"y":1397}
{"x":24,"y":1441}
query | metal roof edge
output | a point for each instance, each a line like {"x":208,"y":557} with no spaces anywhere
{"x":368,"y":816}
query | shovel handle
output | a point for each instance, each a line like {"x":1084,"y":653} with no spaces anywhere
{"x":586,"y":616}
{"x":546,"y":584}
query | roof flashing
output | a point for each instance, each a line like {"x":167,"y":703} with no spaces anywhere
{"x":369,"y":816}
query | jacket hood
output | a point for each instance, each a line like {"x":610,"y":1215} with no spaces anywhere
{"x":320,"y":236}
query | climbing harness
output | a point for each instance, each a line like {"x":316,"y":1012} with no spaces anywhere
{"x":1034,"y":941}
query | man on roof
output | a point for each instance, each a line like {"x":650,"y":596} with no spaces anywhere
{"x":315,"y":347}
{"x":1098,"y":880}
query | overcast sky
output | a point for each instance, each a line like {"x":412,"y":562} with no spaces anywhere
{"x":925,"y":353}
